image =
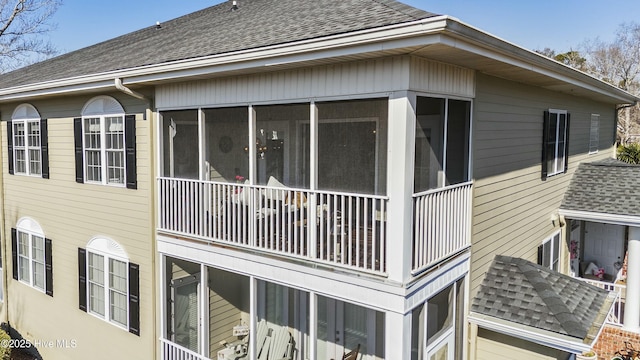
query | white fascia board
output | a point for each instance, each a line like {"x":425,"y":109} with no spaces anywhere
{"x":626,"y":220}
{"x":472,"y":40}
{"x":538,"y":336}
{"x":60,"y":89}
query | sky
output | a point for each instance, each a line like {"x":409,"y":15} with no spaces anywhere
{"x":561,"y":25}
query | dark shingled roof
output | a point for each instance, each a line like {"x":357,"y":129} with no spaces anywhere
{"x":218,"y":30}
{"x":522,"y":292}
{"x":607,"y":187}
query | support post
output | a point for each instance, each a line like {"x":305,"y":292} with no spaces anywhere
{"x":400,"y":185}
{"x":632,"y":302}
{"x":398,"y":333}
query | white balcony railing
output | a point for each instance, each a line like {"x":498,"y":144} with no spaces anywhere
{"x":173,"y":351}
{"x":442,"y":224}
{"x":347,"y":230}
{"x":615,"y":316}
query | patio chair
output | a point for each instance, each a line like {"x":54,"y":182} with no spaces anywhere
{"x":281,"y":344}
{"x":240,"y":349}
{"x":351,"y":355}
{"x":263,"y":340}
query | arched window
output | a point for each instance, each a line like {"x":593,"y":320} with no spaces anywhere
{"x":27,"y":142}
{"x":109,"y":283}
{"x":32,"y":258}
{"x":105,"y":144}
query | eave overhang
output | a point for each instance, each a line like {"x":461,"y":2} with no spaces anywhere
{"x":615,"y":219}
{"x":440,"y":38}
{"x":545,"y":337}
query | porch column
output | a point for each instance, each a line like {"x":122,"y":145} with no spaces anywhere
{"x":204,"y":308}
{"x":400,"y":186}
{"x":397,"y":336}
{"x":632,"y":301}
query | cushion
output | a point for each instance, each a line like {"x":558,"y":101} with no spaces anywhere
{"x":276,"y":195}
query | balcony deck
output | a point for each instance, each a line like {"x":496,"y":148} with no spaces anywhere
{"x":339,"y":229}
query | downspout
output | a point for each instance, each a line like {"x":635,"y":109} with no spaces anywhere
{"x":126,"y":90}
{"x":5,"y":270}
{"x":615,"y":131}
{"x":120,"y":86}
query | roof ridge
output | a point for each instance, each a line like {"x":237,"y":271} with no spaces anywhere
{"x":552,"y":299}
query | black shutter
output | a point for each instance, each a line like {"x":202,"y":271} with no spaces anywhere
{"x":14,"y":252}
{"x":566,"y":145}
{"x":545,"y":140}
{"x":10,"y":146}
{"x":44,"y":148}
{"x":540,"y":250}
{"x":48,"y":267}
{"x":82,"y":279}
{"x":134,"y":299}
{"x":77,"y":136}
{"x":130,"y":153}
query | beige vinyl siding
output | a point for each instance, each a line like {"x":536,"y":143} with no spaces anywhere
{"x":512,"y":206}
{"x":71,"y":214}
{"x":495,"y":346}
{"x":376,"y":76}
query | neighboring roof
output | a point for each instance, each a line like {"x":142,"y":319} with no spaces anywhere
{"x":219,"y":29}
{"x":608,"y":187}
{"x":542,"y":300}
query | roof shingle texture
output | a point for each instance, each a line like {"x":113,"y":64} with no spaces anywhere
{"x":522,"y":292}
{"x":218,"y":30}
{"x":607,"y":187}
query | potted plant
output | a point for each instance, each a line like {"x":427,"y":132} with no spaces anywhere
{"x":587,"y":355}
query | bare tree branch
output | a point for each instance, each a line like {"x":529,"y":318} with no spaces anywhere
{"x":24,"y":25}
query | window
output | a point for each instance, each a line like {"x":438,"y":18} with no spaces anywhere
{"x":442,"y":138}
{"x":105,"y":144}
{"x":556,"y":142}
{"x":437,"y":325}
{"x":27,"y":143}
{"x":32,"y":258}
{"x":594,"y":134}
{"x":109,"y":284}
{"x":549,"y":252}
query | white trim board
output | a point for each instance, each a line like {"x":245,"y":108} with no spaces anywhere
{"x":527,"y":333}
{"x":627,"y":220}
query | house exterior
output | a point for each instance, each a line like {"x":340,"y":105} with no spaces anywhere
{"x":57,"y":221}
{"x":338,"y":176}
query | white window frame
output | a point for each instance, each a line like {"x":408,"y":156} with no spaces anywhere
{"x":553,"y":242}
{"x":27,"y":148}
{"x":109,"y":250}
{"x":449,"y":335}
{"x":594,"y":134}
{"x":104,"y":152}
{"x":558,"y":167}
{"x":33,"y":232}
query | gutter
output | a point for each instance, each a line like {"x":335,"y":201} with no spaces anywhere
{"x":627,"y":106}
{"x":546,"y":338}
{"x":626,"y":220}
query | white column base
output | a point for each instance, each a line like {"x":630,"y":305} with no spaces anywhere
{"x":397,"y":336}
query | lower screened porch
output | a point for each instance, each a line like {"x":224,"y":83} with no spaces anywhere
{"x":211,"y":312}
